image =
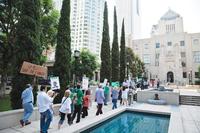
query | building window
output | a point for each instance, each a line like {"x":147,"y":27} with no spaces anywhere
{"x":197,"y":75}
{"x":182,"y":43}
{"x":183,"y":64}
{"x":157,"y":63}
{"x":184,"y":75}
{"x":196,"y":56}
{"x":157,"y":45}
{"x":196,"y":41}
{"x":169,"y":43}
{"x":145,"y":46}
{"x":183,"y":55}
{"x":146,"y":59}
{"x":157,"y":55}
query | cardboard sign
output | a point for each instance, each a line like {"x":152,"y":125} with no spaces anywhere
{"x":85,"y":83}
{"x":55,"y":83}
{"x":32,"y":69}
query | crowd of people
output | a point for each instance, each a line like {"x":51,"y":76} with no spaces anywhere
{"x":75,"y":103}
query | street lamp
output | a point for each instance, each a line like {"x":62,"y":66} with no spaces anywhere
{"x":76,"y":56}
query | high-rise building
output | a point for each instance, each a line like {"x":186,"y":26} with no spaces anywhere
{"x":171,"y":54}
{"x":86,"y":25}
{"x":129,"y":10}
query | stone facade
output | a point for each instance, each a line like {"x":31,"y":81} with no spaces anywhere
{"x":171,"y":54}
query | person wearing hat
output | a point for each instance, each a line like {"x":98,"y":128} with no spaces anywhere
{"x":27,"y":101}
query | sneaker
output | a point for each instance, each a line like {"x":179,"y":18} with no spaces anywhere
{"x":22,"y":123}
{"x":27,"y":123}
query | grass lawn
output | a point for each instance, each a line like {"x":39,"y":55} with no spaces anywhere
{"x":5,"y":103}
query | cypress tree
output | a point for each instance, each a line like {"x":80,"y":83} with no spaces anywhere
{"x":122,"y":54}
{"x":63,"y":49}
{"x":105,"y":48}
{"x":115,"y":51}
{"x":28,"y":47}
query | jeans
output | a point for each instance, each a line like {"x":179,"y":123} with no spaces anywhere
{"x":106,"y":98}
{"x":45,"y":120}
{"x":114,"y":101}
{"x":99,"y":110}
{"x":77,"y":110}
{"x":28,"y":109}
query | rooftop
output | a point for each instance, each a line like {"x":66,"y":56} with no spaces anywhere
{"x":170,"y":15}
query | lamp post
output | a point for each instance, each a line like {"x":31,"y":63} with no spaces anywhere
{"x":76,"y":56}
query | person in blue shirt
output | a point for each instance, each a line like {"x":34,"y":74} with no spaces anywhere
{"x":27,"y":101}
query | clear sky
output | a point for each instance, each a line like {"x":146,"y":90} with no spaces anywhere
{"x":152,"y":10}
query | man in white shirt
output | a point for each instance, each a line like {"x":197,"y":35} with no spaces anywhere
{"x":43,"y":102}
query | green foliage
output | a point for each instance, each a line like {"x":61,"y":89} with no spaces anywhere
{"x":5,"y":103}
{"x":49,"y":24}
{"x":199,"y":72}
{"x":86,"y":64}
{"x":122,"y":55}
{"x":28,"y":47}
{"x":105,"y":49}
{"x":115,"y":51}
{"x":63,"y":49}
{"x":136,"y":66}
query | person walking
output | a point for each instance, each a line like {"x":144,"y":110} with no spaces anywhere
{"x":27,"y":101}
{"x":158,"y":83}
{"x":124,"y":95}
{"x":114,"y":97}
{"x":99,"y":96}
{"x":86,"y":102}
{"x":130,"y":95}
{"x":44,"y":101}
{"x":120,"y":95}
{"x":65,"y":109}
{"x":78,"y":99}
{"x":106,"y":93}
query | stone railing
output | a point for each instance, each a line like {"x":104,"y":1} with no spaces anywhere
{"x":12,"y":118}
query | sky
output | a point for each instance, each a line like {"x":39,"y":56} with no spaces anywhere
{"x":153,"y":10}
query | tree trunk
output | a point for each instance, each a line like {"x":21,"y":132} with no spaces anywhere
{"x":3,"y":85}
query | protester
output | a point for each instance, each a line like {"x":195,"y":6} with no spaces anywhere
{"x":86,"y":102}
{"x":43,"y":101}
{"x":27,"y":100}
{"x":78,"y":99}
{"x":99,"y":96}
{"x":130,"y":95}
{"x":120,"y":95}
{"x":158,"y":83}
{"x":50,"y":93}
{"x":124,"y":95}
{"x":114,"y":96}
{"x":65,"y":109}
{"x":106,"y":93}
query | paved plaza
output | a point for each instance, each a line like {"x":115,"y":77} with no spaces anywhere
{"x":184,"y":119}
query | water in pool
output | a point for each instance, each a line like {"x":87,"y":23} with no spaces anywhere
{"x":133,"y":122}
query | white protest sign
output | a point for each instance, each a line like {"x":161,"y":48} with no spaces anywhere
{"x":55,"y":84}
{"x":105,"y":82}
{"x":85,"y":83}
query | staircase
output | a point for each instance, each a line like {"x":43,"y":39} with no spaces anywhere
{"x":189,"y":100}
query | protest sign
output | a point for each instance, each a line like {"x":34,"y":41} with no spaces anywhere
{"x":85,"y":83}
{"x":55,"y":84}
{"x":33,"y":69}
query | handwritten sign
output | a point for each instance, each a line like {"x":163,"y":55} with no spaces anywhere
{"x":55,"y":84}
{"x":85,"y":83}
{"x":32,"y":69}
